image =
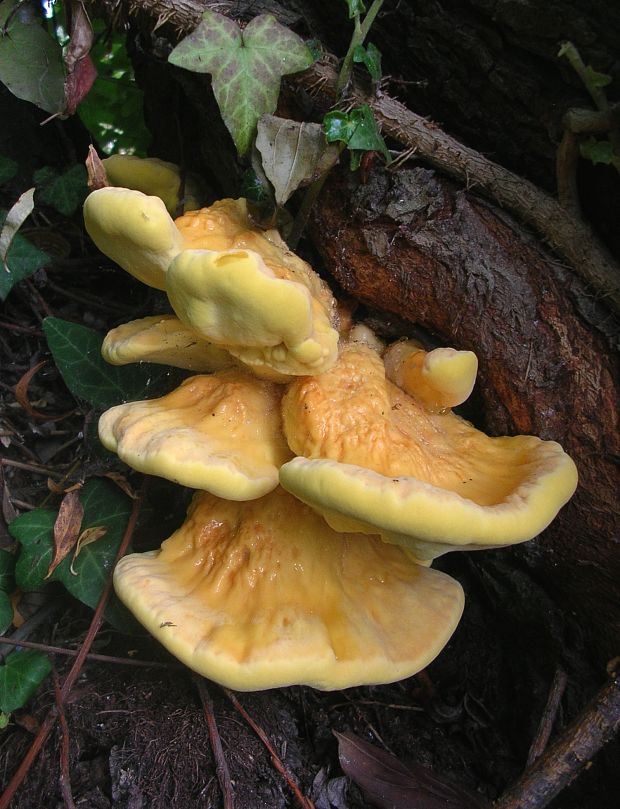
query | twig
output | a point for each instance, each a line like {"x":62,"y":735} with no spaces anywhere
{"x":556,"y":692}
{"x":91,"y":657}
{"x":221,"y":766}
{"x":36,"y":469}
{"x":49,"y":721}
{"x":574,"y":749}
{"x":304,"y":802}
{"x":65,"y":772}
{"x":18,"y":637}
{"x":566,"y":159}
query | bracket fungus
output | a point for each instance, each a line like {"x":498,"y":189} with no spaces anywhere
{"x":263,"y":594}
{"x":228,"y":283}
{"x":221,"y":433}
{"x":323,"y":579}
{"x":373,"y":459}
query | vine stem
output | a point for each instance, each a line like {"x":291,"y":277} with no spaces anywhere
{"x":360,"y":33}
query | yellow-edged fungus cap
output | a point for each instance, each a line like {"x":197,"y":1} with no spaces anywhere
{"x":164,"y":340}
{"x":221,"y":433}
{"x":233,"y":299}
{"x":154,"y":177}
{"x":438,"y":379}
{"x":264,"y":594}
{"x":135,"y":231}
{"x":376,"y":461}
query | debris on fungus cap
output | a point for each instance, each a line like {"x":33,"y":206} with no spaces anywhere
{"x":233,"y":299}
{"x":221,"y":433}
{"x":164,"y":340}
{"x":264,"y":594}
{"x":439,"y":379}
{"x":154,"y":177}
{"x":133,"y":230}
{"x":373,"y":459}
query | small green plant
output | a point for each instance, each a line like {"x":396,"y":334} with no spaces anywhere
{"x":594,"y":149}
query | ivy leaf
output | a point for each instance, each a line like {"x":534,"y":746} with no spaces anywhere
{"x":7,"y":567}
{"x":77,"y":354}
{"x":64,"y":192}
{"x":596,"y":79}
{"x":356,"y":8}
{"x":246,"y":67}
{"x":8,"y":169}
{"x":357,"y":128}
{"x":105,"y":506}
{"x":22,"y":260}
{"x":597,"y":151}
{"x":31,"y":63}
{"x":20,"y":676}
{"x":293,"y":154}
{"x":370,"y":57}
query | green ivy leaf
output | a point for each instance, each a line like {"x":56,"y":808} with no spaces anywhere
{"x":23,"y":260}
{"x":20,"y":676}
{"x":246,"y":66}
{"x":8,"y":169}
{"x":596,"y":79}
{"x":77,"y":354}
{"x":370,"y":57}
{"x":31,"y":64}
{"x":64,"y":192}
{"x":357,"y":128}
{"x":104,"y":506}
{"x":597,"y":151}
{"x":7,"y":569}
{"x":356,"y":8}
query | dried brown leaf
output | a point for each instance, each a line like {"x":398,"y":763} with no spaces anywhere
{"x":390,"y":784}
{"x":87,"y":537}
{"x":97,"y":178}
{"x":122,"y":483}
{"x":81,"y":36}
{"x":66,"y":528}
{"x":293,"y":154}
{"x":14,"y":220}
{"x":78,"y":83}
{"x":21,"y":395}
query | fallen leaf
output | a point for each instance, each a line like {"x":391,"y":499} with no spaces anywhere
{"x":81,"y":35}
{"x":122,"y":483}
{"x":66,"y":529}
{"x":78,"y":84}
{"x":293,"y":154}
{"x":390,"y":784}
{"x":14,"y":220}
{"x":87,"y":537}
{"x":21,"y":396}
{"x":97,"y":178}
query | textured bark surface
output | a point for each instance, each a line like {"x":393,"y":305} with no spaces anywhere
{"x":411,"y":244}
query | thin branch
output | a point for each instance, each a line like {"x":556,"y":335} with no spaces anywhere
{"x":556,"y":692}
{"x":50,"y":720}
{"x":221,"y":766}
{"x":304,"y":803}
{"x":572,"y":751}
{"x":59,"y":650}
{"x":65,"y":770}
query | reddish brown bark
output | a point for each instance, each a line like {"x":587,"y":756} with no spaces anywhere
{"x":411,"y":244}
